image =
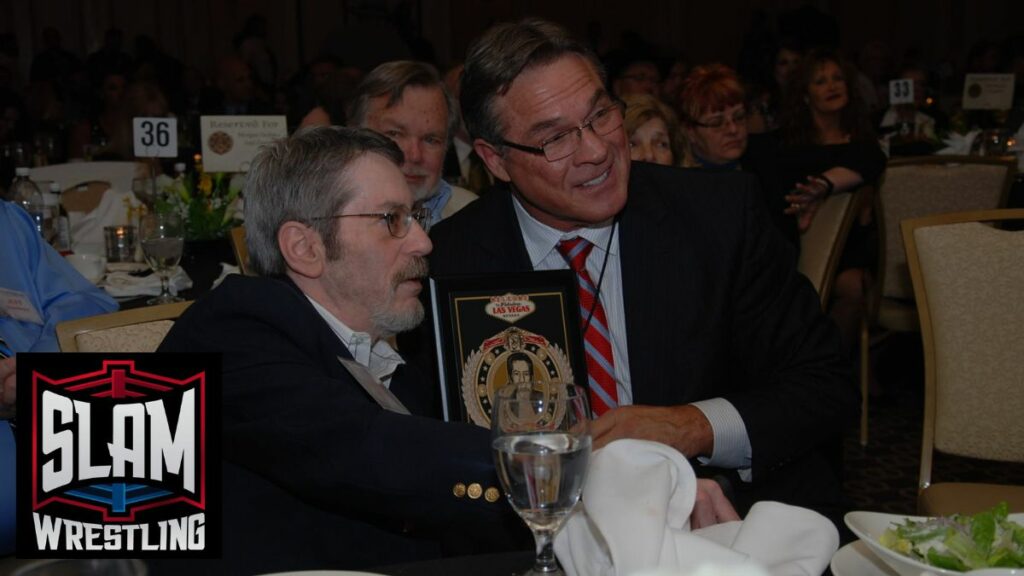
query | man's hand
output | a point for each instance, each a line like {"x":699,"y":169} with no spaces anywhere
{"x":8,"y":371}
{"x":711,"y":506}
{"x":684,"y":428}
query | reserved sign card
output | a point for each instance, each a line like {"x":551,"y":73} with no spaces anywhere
{"x":988,"y":92}
{"x":231,"y":142}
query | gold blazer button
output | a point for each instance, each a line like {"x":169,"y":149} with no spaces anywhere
{"x":492,"y":494}
{"x":459,"y":490}
{"x":475,"y":490}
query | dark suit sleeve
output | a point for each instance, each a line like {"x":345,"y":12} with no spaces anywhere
{"x":800,"y":392}
{"x":291,"y":418}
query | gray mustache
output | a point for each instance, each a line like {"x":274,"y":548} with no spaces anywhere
{"x":415,"y":269}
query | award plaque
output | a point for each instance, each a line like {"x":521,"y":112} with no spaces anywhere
{"x":496,"y":330}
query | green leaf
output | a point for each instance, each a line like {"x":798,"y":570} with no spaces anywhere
{"x":983,"y":531}
{"x":947,"y":561}
{"x":965,"y":549}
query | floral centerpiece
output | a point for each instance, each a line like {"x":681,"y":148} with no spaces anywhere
{"x":209,"y":204}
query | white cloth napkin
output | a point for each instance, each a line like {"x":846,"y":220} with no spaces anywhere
{"x":1018,"y":148}
{"x":636,"y":516}
{"x":958,"y":144}
{"x":87,"y":227}
{"x":123,"y":284}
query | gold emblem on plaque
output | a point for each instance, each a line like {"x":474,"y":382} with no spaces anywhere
{"x":512,"y":356}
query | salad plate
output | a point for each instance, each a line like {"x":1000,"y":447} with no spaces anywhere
{"x":856,"y":559}
{"x":869,"y":527}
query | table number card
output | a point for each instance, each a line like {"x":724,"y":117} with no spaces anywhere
{"x":155,"y":137}
{"x":231,"y":142}
{"x":988,"y":92}
{"x":901,"y":91}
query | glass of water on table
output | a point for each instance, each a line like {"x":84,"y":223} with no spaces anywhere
{"x":540,"y":433}
{"x":163,"y":240}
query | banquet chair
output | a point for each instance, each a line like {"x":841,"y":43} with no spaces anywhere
{"x":822,"y":244}
{"x":968,"y":280}
{"x":910,"y":188}
{"x":240,"y":248}
{"x":135,"y":330}
{"x":84,"y":183}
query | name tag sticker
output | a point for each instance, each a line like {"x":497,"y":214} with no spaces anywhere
{"x":17,"y":305}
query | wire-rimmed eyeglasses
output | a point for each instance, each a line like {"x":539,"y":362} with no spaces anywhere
{"x":399,"y":220}
{"x":564,"y":144}
{"x":719,"y":121}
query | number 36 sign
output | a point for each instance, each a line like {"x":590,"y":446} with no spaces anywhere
{"x":155,"y":137}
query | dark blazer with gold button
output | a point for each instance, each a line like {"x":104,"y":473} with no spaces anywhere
{"x":316,"y":474}
{"x":714,"y":307}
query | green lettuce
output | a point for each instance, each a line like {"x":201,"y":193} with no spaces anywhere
{"x":988,"y":539}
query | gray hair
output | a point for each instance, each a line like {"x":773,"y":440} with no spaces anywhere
{"x":498,"y":57}
{"x":391,"y":79}
{"x":302,"y":178}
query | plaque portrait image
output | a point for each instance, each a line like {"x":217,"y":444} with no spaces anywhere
{"x":496,"y":331}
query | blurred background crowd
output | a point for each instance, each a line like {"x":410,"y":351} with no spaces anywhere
{"x":73,"y":76}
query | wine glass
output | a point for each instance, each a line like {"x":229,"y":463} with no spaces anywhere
{"x":163,"y":239}
{"x":145,"y":190}
{"x":541,"y":438}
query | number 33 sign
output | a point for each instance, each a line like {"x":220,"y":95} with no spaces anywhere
{"x":901,"y":91}
{"x":155,"y":137}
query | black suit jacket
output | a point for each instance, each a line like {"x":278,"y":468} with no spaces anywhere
{"x":714,"y":308}
{"x":316,"y":474}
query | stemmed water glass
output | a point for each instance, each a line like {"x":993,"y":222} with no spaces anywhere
{"x":145,"y":190}
{"x":163,"y":239}
{"x":541,"y":438}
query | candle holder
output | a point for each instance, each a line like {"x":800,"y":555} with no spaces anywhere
{"x":120,"y":243}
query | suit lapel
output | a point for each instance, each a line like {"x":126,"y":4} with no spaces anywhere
{"x":650,"y":270}
{"x":498,"y":234}
{"x":406,"y":384}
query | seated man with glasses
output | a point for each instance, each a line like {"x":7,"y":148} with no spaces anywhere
{"x":331,"y":456}
{"x":700,"y":332}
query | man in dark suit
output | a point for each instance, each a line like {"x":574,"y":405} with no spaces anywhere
{"x":712,"y":341}
{"x":322,"y":468}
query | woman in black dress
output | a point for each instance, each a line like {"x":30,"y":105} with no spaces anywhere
{"x":828,"y":147}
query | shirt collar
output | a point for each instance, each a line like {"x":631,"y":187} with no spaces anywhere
{"x":541,"y":239}
{"x":436,"y":203}
{"x":731,"y":165}
{"x":378,"y":357}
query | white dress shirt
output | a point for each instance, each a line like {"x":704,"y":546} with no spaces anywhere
{"x":731,"y":445}
{"x":378,"y":357}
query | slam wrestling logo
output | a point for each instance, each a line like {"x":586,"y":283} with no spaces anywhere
{"x":118,"y":455}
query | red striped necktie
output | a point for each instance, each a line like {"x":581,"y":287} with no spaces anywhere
{"x":596,"y":338}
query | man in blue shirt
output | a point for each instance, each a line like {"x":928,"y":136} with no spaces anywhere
{"x":38,"y":288}
{"x":407,"y":102}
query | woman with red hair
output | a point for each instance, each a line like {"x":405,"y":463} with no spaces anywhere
{"x":714,"y":117}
